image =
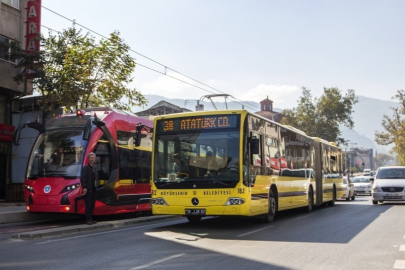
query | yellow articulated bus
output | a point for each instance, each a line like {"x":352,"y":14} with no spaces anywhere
{"x":235,"y":163}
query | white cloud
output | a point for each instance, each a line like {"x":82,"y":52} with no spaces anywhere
{"x":169,"y":87}
{"x":283,"y":96}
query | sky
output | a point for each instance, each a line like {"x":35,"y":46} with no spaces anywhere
{"x":251,"y":49}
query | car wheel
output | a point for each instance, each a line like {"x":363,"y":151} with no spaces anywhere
{"x":269,"y":216}
{"x":353,"y":197}
{"x":375,"y":202}
{"x":194,"y":219}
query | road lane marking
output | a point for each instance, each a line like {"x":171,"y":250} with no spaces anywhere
{"x":305,"y":216}
{"x":158,"y":261}
{"x":119,"y":230}
{"x":402,"y":248}
{"x":241,"y":235}
{"x":399,"y":264}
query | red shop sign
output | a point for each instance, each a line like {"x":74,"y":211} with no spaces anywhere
{"x":6,"y":132}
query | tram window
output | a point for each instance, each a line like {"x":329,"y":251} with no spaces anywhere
{"x":103,"y":158}
{"x":142,"y":169}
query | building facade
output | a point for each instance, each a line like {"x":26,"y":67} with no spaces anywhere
{"x":266,"y":106}
{"x":13,"y":14}
{"x":161,"y":108}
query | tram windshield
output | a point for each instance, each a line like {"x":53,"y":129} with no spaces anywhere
{"x":57,"y":152}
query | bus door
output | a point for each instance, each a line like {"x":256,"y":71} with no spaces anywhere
{"x":318,"y":174}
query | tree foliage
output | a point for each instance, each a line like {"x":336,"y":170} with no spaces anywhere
{"x":394,"y":128}
{"x":77,"y":71}
{"x":382,"y":159}
{"x":321,"y":117}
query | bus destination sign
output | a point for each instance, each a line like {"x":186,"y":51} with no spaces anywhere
{"x":208,"y":122}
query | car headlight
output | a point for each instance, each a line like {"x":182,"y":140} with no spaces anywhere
{"x":376,"y":188}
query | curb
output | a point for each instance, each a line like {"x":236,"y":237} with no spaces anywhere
{"x":86,"y":228}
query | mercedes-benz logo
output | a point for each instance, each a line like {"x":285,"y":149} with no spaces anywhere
{"x":194,"y":201}
{"x":392,"y":189}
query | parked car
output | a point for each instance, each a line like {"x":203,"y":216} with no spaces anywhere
{"x":348,"y":189}
{"x":362,"y":185}
{"x":389,"y":184}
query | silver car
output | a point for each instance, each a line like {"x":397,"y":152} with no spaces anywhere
{"x":389,"y":184}
{"x":362,"y":184}
{"x":348,"y":189}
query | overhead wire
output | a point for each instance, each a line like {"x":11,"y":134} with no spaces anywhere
{"x":243,"y":103}
{"x":163,"y":65}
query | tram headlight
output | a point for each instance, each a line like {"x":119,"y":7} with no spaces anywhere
{"x":159,"y":201}
{"x":235,"y":201}
{"x":29,"y":188}
{"x":70,"y":188}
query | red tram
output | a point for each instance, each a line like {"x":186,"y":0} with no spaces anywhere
{"x":122,"y":143}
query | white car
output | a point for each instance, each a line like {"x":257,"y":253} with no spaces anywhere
{"x":348,"y":190}
{"x":362,"y":185}
{"x":389,"y":184}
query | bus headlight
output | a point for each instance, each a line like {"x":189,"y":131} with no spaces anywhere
{"x":235,"y":201}
{"x":159,"y":201}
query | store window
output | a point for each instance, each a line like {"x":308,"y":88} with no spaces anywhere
{"x":13,"y":3}
{"x":5,"y":49}
{"x":2,"y":109}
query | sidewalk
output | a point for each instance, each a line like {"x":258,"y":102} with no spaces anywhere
{"x":16,"y":212}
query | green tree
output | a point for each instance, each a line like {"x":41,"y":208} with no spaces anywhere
{"x":321,"y":117}
{"x":394,"y":129}
{"x":382,"y":159}
{"x":77,"y":71}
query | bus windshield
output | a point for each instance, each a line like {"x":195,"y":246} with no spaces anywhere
{"x":57,"y":152}
{"x":198,"y":159}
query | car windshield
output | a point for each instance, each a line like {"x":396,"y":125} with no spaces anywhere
{"x":391,"y":173}
{"x":208,"y":158}
{"x":344,"y":180}
{"x":57,"y":152}
{"x":361,"y":180}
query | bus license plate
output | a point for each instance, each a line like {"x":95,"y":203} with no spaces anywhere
{"x":195,"y":212}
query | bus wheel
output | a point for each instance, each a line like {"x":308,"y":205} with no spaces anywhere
{"x":194,"y":219}
{"x":310,"y":201}
{"x":332,"y":202}
{"x":269,"y":216}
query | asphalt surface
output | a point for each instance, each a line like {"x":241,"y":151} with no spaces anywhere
{"x":349,"y":235}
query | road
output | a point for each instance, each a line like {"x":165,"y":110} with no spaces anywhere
{"x":349,"y":235}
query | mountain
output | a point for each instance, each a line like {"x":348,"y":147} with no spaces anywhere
{"x":367,"y":116}
{"x":190,"y":104}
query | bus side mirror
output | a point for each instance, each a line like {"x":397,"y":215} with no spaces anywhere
{"x":254,"y":146}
